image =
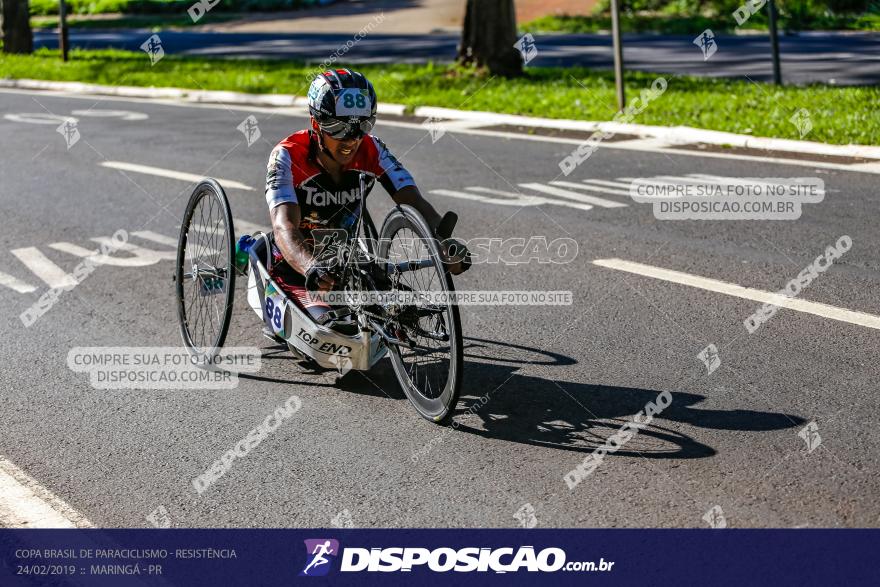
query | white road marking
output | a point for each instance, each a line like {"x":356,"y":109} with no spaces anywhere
{"x":476,"y":198}
{"x":685,"y":179}
{"x":136,"y":250}
{"x":121,"y":114}
{"x":156,"y":237}
{"x":622,"y":185}
{"x":700,"y":177}
{"x":732,"y":289}
{"x":170,"y":173}
{"x":54,"y":276}
{"x":39,"y":118}
{"x":24,"y":503}
{"x":533,"y":200}
{"x":140,"y":257}
{"x":506,"y":194}
{"x":594,"y":188}
{"x":569,"y":195}
{"x":41,"y":266}
{"x":865,"y":167}
{"x":15,"y":284}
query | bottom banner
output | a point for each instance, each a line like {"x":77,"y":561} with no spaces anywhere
{"x":477,"y":557}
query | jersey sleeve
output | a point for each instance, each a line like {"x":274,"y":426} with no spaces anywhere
{"x":389,"y":170}
{"x":279,"y":178}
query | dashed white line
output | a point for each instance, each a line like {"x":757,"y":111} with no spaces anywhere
{"x":621,"y":185}
{"x":507,"y":199}
{"x":16,"y":284}
{"x":569,"y":195}
{"x":536,"y":200}
{"x":604,"y":202}
{"x":156,"y":237}
{"x":170,"y":173}
{"x":44,"y":268}
{"x":25,"y":503}
{"x":476,"y":198}
{"x":701,"y":178}
{"x":732,"y":289}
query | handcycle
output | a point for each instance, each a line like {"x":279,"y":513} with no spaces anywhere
{"x":404,"y":260}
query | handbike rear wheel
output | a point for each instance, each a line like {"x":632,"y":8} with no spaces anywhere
{"x":430,"y":369}
{"x":205,"y":274}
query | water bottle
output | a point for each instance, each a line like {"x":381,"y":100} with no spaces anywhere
{"x":242,"y":250}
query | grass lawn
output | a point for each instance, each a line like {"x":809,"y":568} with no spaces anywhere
{"x":694,"y":24}
{"x":839,"y":115}
{"x":154,"y":22}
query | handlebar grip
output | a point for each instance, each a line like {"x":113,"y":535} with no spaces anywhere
{"x":447,"y":223}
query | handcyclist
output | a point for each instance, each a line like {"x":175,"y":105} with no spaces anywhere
{"x":313,"y":183}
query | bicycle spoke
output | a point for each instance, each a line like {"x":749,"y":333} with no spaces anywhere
{"x":427,"y":365}
{"x":205,"y":294}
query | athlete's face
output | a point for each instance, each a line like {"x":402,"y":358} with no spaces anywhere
{"x":343,"y":150}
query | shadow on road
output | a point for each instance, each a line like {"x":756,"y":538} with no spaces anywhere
{"x":566,"y":415}
{"x":580,"y":417}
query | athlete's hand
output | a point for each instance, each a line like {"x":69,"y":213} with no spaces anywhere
{"x":319,"y":278}
{"x":457,"y":256}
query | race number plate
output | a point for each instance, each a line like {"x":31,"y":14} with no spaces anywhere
{"x":353,"y":102}
{"x":274,"y":310}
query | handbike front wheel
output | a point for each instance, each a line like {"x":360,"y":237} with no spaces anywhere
{"x":205,"y":274}
{"x":429,"y":363}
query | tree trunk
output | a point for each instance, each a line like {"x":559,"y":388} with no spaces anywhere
{"x":489,"y":37}
{"x":17,"y":35}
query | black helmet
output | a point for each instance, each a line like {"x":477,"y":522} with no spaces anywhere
{"x":343,"y":103}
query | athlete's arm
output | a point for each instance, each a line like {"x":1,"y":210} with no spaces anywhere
{"x":400,"y":184}
{"x":411,"y":196}
{"x":285,"y":214}
{"x":291,"y":243}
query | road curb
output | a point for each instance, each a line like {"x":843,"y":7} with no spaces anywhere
{"x":671,"y":135}
{"x":182,"y":94}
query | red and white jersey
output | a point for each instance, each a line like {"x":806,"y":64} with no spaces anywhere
{"x":294,"y":176}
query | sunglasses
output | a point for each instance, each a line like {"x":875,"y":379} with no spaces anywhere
{"x":340,"y":130}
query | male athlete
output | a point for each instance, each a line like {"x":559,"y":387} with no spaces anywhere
{"x":313,"y":182}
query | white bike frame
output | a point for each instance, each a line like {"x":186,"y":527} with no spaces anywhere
{"x":328,"y":348}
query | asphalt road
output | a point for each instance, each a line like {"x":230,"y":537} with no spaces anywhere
{"x":845,"y":59}
{"x":557,"y":381}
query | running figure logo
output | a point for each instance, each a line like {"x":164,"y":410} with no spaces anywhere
{"x":527,"y":48}
{"x":706,"y":42}
{"x":710,"y":357}
{"x":153,"y":48}
{"x":318,"y":549}
{"x":250,"y":129}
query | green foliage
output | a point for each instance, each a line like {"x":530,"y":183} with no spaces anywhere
{"x":46,"y":7}
{"x":839,"y":114}
{"x":687,"y":16}
{"x":629,"y":23}
{"x":720,"y":7}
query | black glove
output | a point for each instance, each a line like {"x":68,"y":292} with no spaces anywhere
{"x":457,"y":252}
{"x":315,"y":273}
{"x":325,"y":263}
